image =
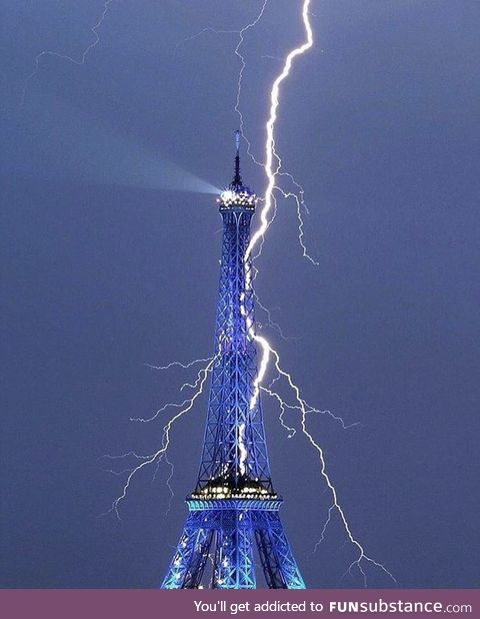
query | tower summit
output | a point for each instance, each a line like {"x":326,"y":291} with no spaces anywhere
{"x":237,"y":195}
{"x":234,"y":509}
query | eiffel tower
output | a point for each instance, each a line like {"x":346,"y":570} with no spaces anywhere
{"x":234,"y":510}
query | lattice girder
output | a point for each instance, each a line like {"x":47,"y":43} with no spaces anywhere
{"x":234,"y":444}
{"x":234,"y":508}
{"x":227,"y":531}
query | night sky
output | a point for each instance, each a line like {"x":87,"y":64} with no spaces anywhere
{"x":110,"y":248}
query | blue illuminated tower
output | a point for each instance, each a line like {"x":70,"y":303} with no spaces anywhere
{"x":233,"y":511}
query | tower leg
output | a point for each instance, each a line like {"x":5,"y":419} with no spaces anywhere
{"x":280,"y":568}
{"x":270,"y":563}
{"x":188,"y":563}
{"x":234,"y":567}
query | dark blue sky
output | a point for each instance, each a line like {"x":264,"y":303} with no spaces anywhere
{"x":106,"y":267}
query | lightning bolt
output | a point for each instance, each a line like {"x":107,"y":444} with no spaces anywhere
{"x":325,"y":526}
{"x":168,"y":481}
{"x":158,"y":455}
{"x":272,"y":167}
{"x":270,"y":199}
{"x":273,"y":171}
{"x":284,"y":406}
{"x":298,"y":196}
{"x":301,"y":205}
{"x":178,"y":364}
{"x":77,"y":61}
{"x":122,"y":457}
{"x":185,"y":402}
{"x":270,"y":322}
{"x":361,"y":556}
{"x":270,"y":153}
{"x":243,"y":66}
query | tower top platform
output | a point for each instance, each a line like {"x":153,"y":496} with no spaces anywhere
{"x":237,"y":196}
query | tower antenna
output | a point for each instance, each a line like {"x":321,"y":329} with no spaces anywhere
{"x":237,"y":179}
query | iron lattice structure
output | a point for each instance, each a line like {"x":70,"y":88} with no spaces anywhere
{"x":234,"y":510}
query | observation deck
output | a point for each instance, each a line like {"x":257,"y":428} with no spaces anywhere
{"x":231,"y":200}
